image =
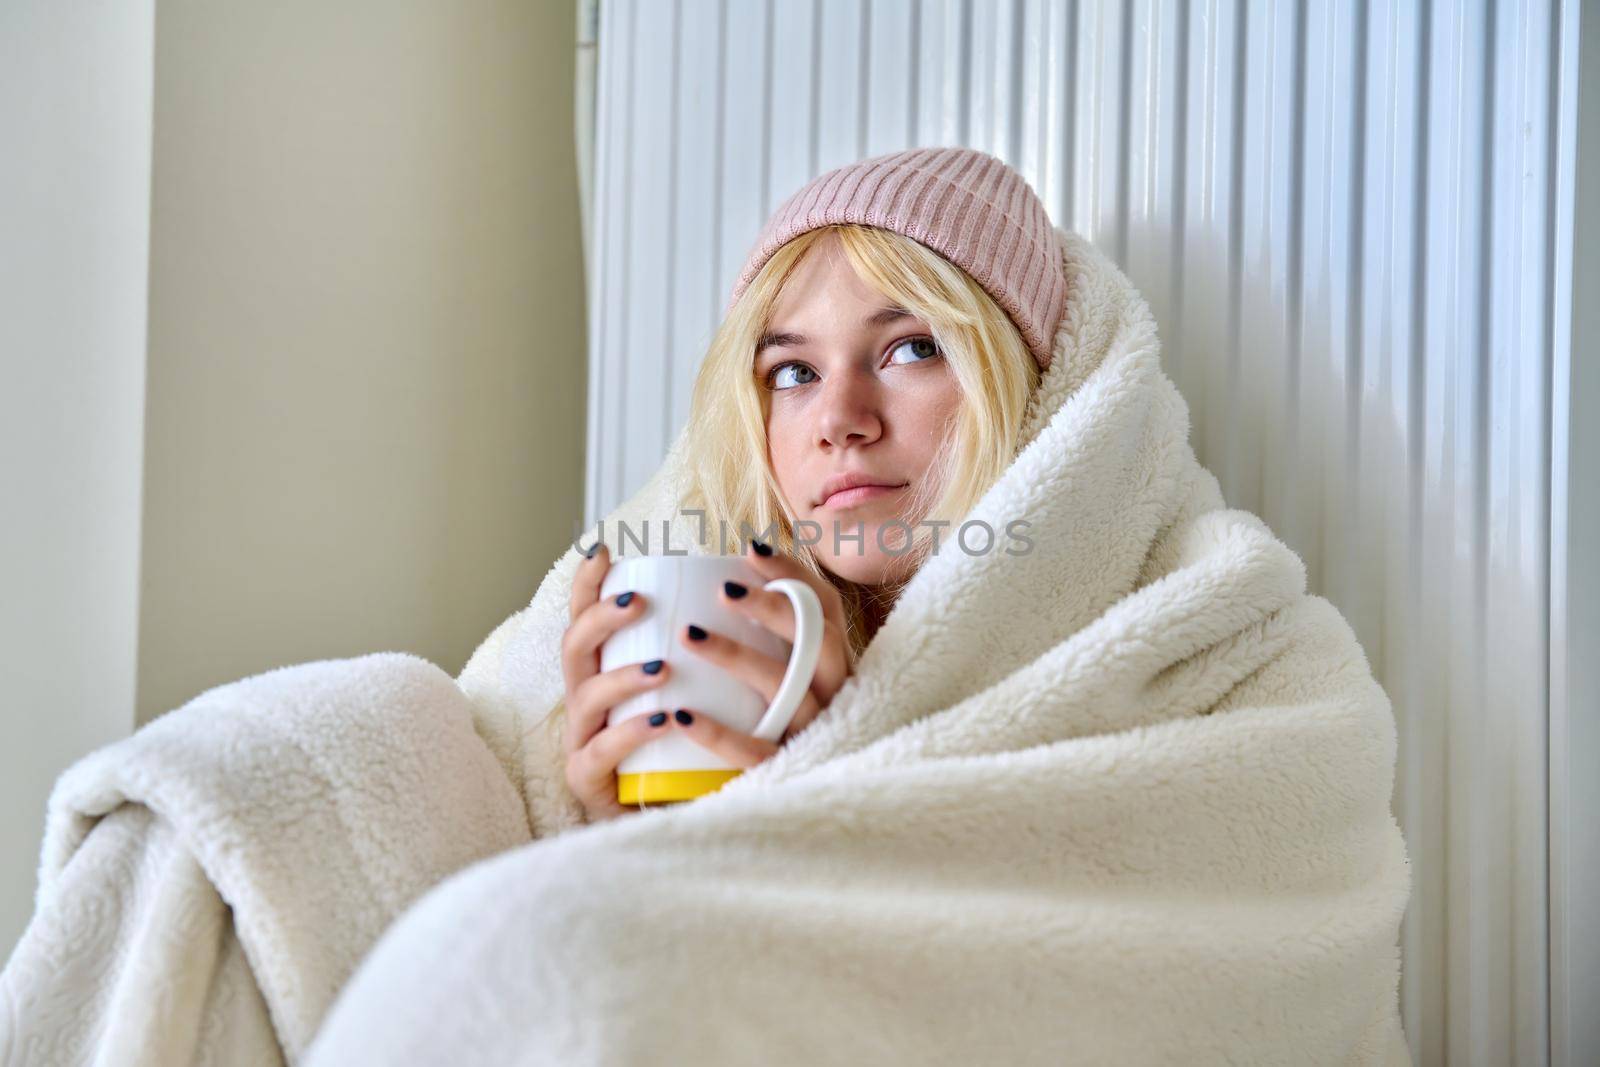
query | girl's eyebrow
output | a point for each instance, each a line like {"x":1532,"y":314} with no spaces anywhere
{"x":785,"y":339}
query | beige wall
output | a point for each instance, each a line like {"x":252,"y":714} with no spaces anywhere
{"x":74,"y":243}
{"x":357,"y":417}
{"x":367,"y":350}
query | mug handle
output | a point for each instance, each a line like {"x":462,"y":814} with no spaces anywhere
{"x":802,"y":660}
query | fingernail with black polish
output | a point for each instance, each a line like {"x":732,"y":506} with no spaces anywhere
{"x":654,"y":666}
{"x":695,"y":633}
{"x":658,"y":718}
{"x":589,"y":552}
{"x":684,"y":717}
{"x":624,"y":599}
{"x":734,"y":589}
{"x":761,"y":547}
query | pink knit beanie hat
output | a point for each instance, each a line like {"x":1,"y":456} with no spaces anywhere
{"x":971,"y":208}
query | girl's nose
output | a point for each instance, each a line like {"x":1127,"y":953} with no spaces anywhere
{"x":849,"y":412}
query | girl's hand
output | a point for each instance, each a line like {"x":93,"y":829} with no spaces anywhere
{"x":759,"y":670}
{"x":593,"y":748}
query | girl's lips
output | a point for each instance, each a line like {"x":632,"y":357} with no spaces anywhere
{"x":845,"y":498}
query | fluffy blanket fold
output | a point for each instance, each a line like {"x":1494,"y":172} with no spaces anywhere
{"x":1124,"y":798}
{"x":208,"y":884}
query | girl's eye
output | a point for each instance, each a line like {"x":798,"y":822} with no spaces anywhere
{"x":776,"y":378}
{"x":925,"y":346}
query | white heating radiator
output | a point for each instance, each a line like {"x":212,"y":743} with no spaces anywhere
{"x":1354,"y":222}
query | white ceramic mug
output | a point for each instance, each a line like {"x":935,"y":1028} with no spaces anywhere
{"x":679,"y":590}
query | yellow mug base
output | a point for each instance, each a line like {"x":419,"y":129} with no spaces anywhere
{"x":665,"y":787}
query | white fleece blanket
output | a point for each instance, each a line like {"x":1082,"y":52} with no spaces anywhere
{"x":208,"y":884}
{"x":1122,"y":799}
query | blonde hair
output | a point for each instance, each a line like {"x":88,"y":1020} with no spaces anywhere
{"x":728,"y":411}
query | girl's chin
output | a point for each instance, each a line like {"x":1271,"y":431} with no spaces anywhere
{"x":861,"y":532}
{"x":862,"y":570}
{"x":869,"y":566}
